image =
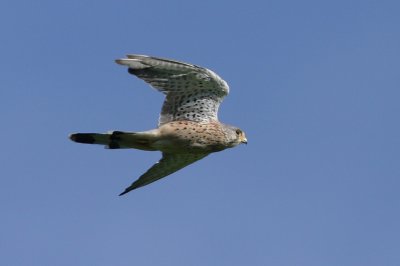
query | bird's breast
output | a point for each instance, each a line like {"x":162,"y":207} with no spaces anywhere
{"x":190,"y":136}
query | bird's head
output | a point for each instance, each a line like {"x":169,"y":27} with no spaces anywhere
{"x":235,"y":136}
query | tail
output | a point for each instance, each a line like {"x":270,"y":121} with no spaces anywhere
{"x":116,"y":140}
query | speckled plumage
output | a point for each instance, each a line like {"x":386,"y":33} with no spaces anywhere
{"x":188,"y":127}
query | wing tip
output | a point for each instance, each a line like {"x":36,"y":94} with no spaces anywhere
{"x":127,"y":190}
{"x":120,"y":61}
{"x":133,"y":63}
{"x":136,"y":56}
{"x":123,"y":193}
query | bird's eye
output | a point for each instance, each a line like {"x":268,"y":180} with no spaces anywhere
{"x":238,"y":132}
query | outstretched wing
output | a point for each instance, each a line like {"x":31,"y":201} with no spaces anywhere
{"x":192,"y":92}
{"x":168,"y":164}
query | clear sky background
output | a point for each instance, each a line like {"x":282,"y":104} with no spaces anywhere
{"x":314,"y":84}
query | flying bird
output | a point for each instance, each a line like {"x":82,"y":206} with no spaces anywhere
{"x":188,"y":128}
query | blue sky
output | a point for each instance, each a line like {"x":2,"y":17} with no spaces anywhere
{"x":314,"y":84}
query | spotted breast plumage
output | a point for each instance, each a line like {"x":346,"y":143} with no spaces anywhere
{"x":188,"y":128}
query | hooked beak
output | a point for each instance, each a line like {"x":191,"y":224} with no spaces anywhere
{"x":243,"y":140}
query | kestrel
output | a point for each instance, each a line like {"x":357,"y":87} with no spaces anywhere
{"x":188,"y":128}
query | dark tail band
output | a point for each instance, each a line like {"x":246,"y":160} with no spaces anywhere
{"x":83,"y":138}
